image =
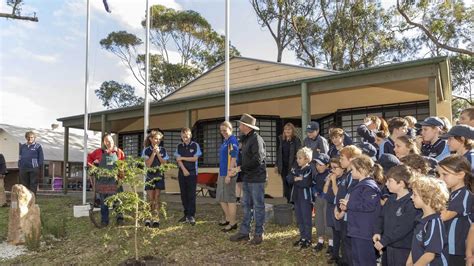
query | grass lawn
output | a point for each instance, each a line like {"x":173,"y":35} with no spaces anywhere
{"x":175,"y":243}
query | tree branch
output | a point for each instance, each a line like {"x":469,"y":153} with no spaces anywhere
{"x":6,"y":15}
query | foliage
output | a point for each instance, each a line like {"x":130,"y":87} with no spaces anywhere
{"x":129,"y":203}
{"x":54,"y":227}
{"x":462,"y":76}
{"x":15,"y":13}
{"x":116,"y":95}
{"x":33,"y":240}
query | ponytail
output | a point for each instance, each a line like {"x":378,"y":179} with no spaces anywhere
{"x":378,"y":174}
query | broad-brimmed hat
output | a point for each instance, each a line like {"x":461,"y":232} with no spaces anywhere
{"x":249,"y":121}
{"x":431,"y":121}
{"x":460,"y":131}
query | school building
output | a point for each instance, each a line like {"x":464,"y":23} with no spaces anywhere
{"x":276,"y":93}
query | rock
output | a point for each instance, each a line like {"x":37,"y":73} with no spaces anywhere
{"x":24,"y":216}
{"x":3,"y":196}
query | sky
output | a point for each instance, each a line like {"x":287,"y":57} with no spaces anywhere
{"x":42,"y":64}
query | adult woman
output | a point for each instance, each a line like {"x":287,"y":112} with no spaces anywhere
{"x":226,"y":182}
{"x":30,"y":162}
{"x":289,"y":144}
{"x":154,"y":156}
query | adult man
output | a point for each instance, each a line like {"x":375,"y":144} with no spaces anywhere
{"x":467,"y":117}
{"x":254,"y":175}
{"x":30,"y":162}
{"x":314,"y":140}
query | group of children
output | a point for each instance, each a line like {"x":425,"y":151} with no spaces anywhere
{"x":403,"y":196}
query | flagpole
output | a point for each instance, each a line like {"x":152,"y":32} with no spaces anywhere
{"x":226,"y":78}
{"x":147,"y":79}
{"x":86,"y":114}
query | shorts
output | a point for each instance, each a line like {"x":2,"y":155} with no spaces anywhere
{"x":152,"y":184}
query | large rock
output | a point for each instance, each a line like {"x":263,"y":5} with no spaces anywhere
{"x":3,"y":197}
{"x":24,"y":216}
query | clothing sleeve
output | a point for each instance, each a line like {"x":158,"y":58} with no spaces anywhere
{"x":145,"y":154}
{"x":120,"y":155}
{"x":257,"y":150}
{"x":405,"y":225}
{"x":434,"y":237}
{"x":444,"y":153}
{"x":324,"y":146}
{"x":366,"y":133}
{"x":164,"y":154}
{"x":347,"y":139}
{"x":235,"y":148}
{"x":176,"y":153}
{"x":380,"y":219}
{"x":369,"y":201}
{"x":461,"y":204}
{"x":290,"y":178}
{"x":95,"y":155}
{"x":198,"y":152}
{"x":40,"y":155}
{"x":307,"y":179}
{"x":382,"y":149}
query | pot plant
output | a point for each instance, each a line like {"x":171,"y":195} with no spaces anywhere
{"x":131,"y":204}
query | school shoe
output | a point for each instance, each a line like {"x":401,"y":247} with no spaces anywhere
{"x":228,"y":229}
{"x":147,"y":223}
{"x":329,"y":250}
{"x":224,"y":224}
{"x":155,"y":224}
{"x":333,"y":260}
{"x":297,"y":243}
{"x":182,"y":220}
{"x":239,"y":237}
{"x":256,"y":240}
{"x":191,"y":220}
{"x":120,"y":222}
{"x":318,"y":247}
{"x":305,"y":243}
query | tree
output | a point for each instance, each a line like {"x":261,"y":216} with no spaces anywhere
{"x":443,"y":25}
{"x":116,"y":95}
{"x":275,"y":16}
{"x":342,"y":35}
{"x":462,"y":76}
{"x":198,"y":45}
{"x":16,"y":11}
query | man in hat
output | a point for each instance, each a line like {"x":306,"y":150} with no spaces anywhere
{"x":254,"y":175}
{"x":314,"y":140}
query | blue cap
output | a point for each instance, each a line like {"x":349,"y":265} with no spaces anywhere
{"x":431,"y":121}
{"x":312,"y":126}
{"x":368,"y":149}
{"x":387,"y":161}
{"x":322,"y":159}
{"x":460,"y":131}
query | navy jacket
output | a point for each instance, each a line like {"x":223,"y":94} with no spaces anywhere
{"x":253,"y":158}
{"x":301,"y":190}
{"x":363,"y":209}
{"x":318,"y":181}
{"x":439,"y":150}
{"x":387,"y":146}
{"x":31,"y":156}
{"x":366,"y":134}
{"x":397,"y":222}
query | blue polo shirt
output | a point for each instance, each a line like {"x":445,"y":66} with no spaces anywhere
{"x":188,"y":150}
{"x":229,"y":149}
{"x":438,"y":150}
{"x":460,"y":201}
{"x":387,"y":146}
{"x":430,"y":236}
{"x":156,"y":162}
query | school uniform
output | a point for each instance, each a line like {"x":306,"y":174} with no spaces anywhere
{"x":460,"y":201}
{"x":363,"y":208}
{"x":333,"y":152}
{"x":430,"y":236}
{"x":438,"y":150}
{"x":366,"y":134}
{"x":301,"y":196}
{"x":387,"y":146}
{"x":187,"y":184}
{"x":320,"y":204}
{"x":331,"y":220}
{"x":395,"y":225}
{"x":155,"y":180}
{"x":469,"y":155}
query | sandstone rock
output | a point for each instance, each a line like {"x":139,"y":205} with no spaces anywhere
{"x":3,"y":197}
{"x":24,"y":216}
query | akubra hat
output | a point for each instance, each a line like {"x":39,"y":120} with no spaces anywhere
{"x":249,"y":121}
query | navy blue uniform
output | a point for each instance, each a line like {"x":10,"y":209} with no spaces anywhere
{"x":387,"y":146}
{"x":187,"y":184}
{"x":439,"y":150}
{"x":366,"y":134}
{"x":395,"y":225}
{"x":301,"y":196}
{"x":460,"y":201}
{"x":333,"y":152}
{"x":155,"y":180}
{"x":363,"y":208}
{"x":469,"y":155}
{"x":430,"y":236}
{"x":330,"y":219}
{"x":318,"y":182}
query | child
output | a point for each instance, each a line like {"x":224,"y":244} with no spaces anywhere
{"x":455,"y":171}
{"x":320,"y":175}
{"x":412,"y":132}
{"x":394,"y":230}
{"x":301,"y":178}
{"x":363,"y":207}
{"x":467,"y":117}
{"x":397,"y":127}
{"x":405,"y":145}
{"x":154,"y":156}
{"x":434,"y":147}
{"x":337,"y":138}
{"x":417,"y":164}
{"x":187,"y":154}
{"x":461,"y":141}
{"x":330,"y":190}
{"x":348,"y":154}
{"x":369,"y":128}
{"x":429,"y":243}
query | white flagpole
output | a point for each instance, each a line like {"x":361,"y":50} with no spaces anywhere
{"x":147,"y":79}
{"x":86,"y":114}
{"x":226,"y":78}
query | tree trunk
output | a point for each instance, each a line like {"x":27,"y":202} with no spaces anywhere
{"x":5,"y":15}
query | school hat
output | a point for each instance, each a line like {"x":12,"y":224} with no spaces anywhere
{"x":387,"y":161}
{"x":249,"y":121}
{"x":431,"y":121}
{"x":322,"y":159}
{"x":312,"y":126}
{"x":368,"y":149}
{"x":460,"y":131}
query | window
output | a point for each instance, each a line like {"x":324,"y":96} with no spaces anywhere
{"x":209,"y":138}
{"x":131,"y":144}
{"x":170,"y":142}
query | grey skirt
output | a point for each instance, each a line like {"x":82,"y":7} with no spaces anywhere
{"x":226,"y":192}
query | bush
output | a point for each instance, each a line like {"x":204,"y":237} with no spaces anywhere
{"x":56,"y":227}
{"x":32,"y":241}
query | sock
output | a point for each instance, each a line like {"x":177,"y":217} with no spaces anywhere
{"x":330,"y":242}
{"x":321,"y":240}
